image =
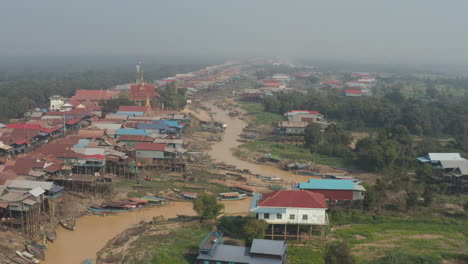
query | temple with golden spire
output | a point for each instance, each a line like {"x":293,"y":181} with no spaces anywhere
{"x":141,"y":91}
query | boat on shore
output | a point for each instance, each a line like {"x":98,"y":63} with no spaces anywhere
{"x":154,"y":200}
{"x":26,"y":256}
{"x":107,"y":210}
{"x":35,"y":251}
{"x":51,"y":235}
{"x":232,"y":196}
{"x":188,"y":196}
{"x":68,"y":224}
{"x":87,"y":261}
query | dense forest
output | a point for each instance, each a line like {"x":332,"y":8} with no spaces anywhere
{"x":24,"y":89}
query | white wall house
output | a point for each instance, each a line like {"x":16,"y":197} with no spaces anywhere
{"x":56,"y":102}
{"x":290,"y":207}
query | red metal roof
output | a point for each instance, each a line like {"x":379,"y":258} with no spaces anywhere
{"x":150,"y":146}
{"x":331,"y":82}
{"x":293,"y":198}
{"x":133,"y":108}
{"x":30,"y":126}
{"x":135,"y":138}
{"x":96,"y":156}
{"x":353,"y":91}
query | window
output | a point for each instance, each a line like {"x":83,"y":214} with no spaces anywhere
{"x":266,"y":216}
{"x":279,"y":216}
{"x":305,"y":217}
{"x":292,"y":217}
{"x":206,"y":262}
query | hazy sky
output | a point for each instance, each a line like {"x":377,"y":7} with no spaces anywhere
{"x":421,"y":30}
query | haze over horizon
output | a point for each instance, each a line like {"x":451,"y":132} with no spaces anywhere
{"x":392,"y":31}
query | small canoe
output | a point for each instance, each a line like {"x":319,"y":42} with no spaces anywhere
{"x":51,"y":235}
{"x":107,"y":210}
{"x":35,"y":251}
{"x":25,"y":255}
{"x":68,"y":224}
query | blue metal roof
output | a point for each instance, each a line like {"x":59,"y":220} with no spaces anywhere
{"x":131,"y":131}
{"x":129,"y":113}
{"x":271,"y":210}
{"x":82,"y":143}
{"x":158,"y":126}
{"x":327,"y":184}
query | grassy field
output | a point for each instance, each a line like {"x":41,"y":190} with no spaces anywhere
{"x":370,"y":238}
{"x":293,"y":152}
{"x":169,"y":248}
{"x":260,"y":117}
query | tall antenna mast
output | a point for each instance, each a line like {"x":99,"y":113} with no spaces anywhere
{"x":138,"y":67}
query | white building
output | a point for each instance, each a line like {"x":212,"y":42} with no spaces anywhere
{"x":290,"y":207}
{"x":56,"y":102}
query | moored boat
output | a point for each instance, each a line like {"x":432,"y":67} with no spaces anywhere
{"x":106,"y":210}
{"x":68,"y":224}
{"x":189,"y":196}
{"x":35,"y":251}
{"x":51,"y":235}
{"x":87,"y":261}
{"x":155,"y":200}
{"x":25,"y":255}
{"x":232,"y":196}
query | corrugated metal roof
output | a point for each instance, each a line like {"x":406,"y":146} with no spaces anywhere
{"x":327,"y":184}
{"x":444,"y":156}
{"x":37,"y":191}
{"x":268,"y":247}
{"x":24,"y":184}
{"x":271,"y":210}
{"x":131,"y":131}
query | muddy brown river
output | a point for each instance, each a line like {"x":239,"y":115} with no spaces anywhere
{"x":93,"y":232}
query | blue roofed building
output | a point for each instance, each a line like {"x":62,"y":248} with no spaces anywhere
{"x":335,"y":189}
{"x":131,"y":131}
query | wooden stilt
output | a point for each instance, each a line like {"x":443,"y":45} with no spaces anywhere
{"x":297,"y":235}
{"x":285,"y":231}
{"x":272,"y":231}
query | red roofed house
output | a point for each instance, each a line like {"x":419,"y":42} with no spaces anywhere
{"x":290,"y":207}
{"x":151,"y":151}
{"x":353,"y":93}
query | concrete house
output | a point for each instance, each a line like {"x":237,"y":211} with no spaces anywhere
{"x":290,"y":207}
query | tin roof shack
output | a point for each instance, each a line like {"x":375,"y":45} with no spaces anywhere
{"x":292,"y":128}
{"x":304,"y":116}
{"x":131,"y":140}
{"x":353,"y":93}
{"x":334,"y":190}
{"x":89,"y":164}
{"x":262,"y":251}
{"x":451,"y":167}
{"x":51,"y":190}
{"x":153,"y":152}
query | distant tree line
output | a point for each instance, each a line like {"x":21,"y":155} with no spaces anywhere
{"x":22,"y":91}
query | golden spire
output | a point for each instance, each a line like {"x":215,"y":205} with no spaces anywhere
{"x":148,"y":103}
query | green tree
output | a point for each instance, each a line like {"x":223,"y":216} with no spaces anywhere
{"x":397,"y":257}
{"x":254,"y":228}
{"x":411,"y":199}
{"x":338,"y":253}
{"x":207,"y":206}
{"x":112,"y":105}
{"x":313,"y":134}
{"x":424,"y":171}
{"x":429,"y":191}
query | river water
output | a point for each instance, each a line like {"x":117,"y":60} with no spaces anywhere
{"x":221,"y":151}
{"x":93,"y":232}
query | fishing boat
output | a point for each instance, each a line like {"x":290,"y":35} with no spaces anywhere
{"x":118,"y":206}
{"x":26,"y":256}
{"x":42,"y":247}
{"x":189,"y":196}
{"x":87,"y":261}
{"x":107,"y":210}
{"x":35,"y":251}
{"x":68,"y":224}
{"x":232,"y":196}
{"x":51,"y":235}
{"x":276,"y":187}
{"x":155,"y":200}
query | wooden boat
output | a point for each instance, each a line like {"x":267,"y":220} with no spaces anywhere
{"x":175,"y":190}
{"x":231,"y":196}
{"x":68,"y":224}
{"x":106,"y":211}
{"x":153,"y":199}
{"x":87,"y":261}
{"x":189,"y":196}
{"x":51,"y":235}
{"x":26,"y":256}
{"x":35,"y":251}
{"x":42,"y":247}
